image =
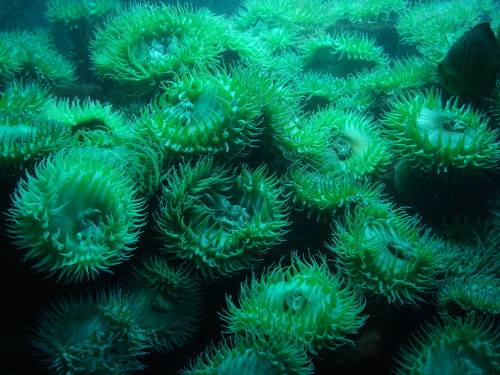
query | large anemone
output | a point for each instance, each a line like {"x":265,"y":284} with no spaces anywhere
{"x":218,"y":220}
{"x":440,"y":137}
{"x":305,"y":302}
{"x":148,"y":43}
{"x":455,"y":346}
{"x":91,"y":335}
{"x":386,"y":253}
{"x":201,"y":112}
{"x":77,"y":215}
{"x":253,"y":354}
{"x":169,"y":301}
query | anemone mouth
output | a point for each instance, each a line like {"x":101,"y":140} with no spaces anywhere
{"x":295,"y":301}
{"x":342,"y":147}
{"x":162,"y":302}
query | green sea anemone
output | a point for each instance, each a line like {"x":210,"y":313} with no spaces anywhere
{"x":321,"y":193}
{"x":91,"y":335}
{"x":475,"y":293}
{"x":202,"y":112}
{"x":217,"y":220}
{"x":169,"y":301}
{"x":342,"y":54}
{"x":468,"y":345}
{"x":304,"y":302}
{"x":355,"y":144}
{"x":386,"y":253}
{"x":437,"y":137}
{"x":72,"y":13}
{"x":10,"y":63}
{"x":370,"y":10}
{"x":147,"y":43}
{"x":253,"y":354}
{"x":37,"y":54}
{"x":77,"y":215}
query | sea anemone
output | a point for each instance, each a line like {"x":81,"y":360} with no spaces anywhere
{"x":201,"y":112}
{"x":440,"y":138}
{"x":305,"y":302}
{"x":386,"y":253}
{"x":342,"y":54}
{"x":477,"y":293}
{"x":169,"y":301}
{"x":253,"y":354}
{"x":321,"y":193}
{"x":147,"y":43}
{"x":355,"y":143}
{"x":36,"y":52}
{"x":370,"y":10}
{"x":91,"y":335}
{"x":10,"y":63}
{"x":218,"y":220}
{"x":72,"y":13}
{"x":77,"y":215}
{"x":468,"y":345}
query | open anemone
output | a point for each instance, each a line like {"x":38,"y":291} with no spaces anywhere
{"x":437,"y":137}
{"x":475,"y":293}
{"x":386,"y":253}
{"x":321,"y":193}
{"x":10,"y":63}
{"x":355,"y":143}
{"x":217,"y":220}
{"x":468,"y":345}
{"x":91,"y":335}
{"x":305,"y":302}
{"x":253,"y":354}
{"x":77,"y":215}
{"x":342,"y":54}
{"x":73,"y":13}
{"x":202,"y":112}
{"x":147,"y":43}
{"x":169,"y":301}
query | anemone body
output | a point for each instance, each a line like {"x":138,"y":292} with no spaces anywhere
{"x":476,"y":293}
{"x":436,"y":137}
{"x":77,"y":215}
{"x":170,"y":303}
{"x":91,"y":335}
{"x":200,"y":112}
{"x":305,"y":302}
{"x":148,"y":43}
{"x":386,"y":253}
{"x":220,"y":221}
{"x":253,"y":354}
{"x":455,"y":346}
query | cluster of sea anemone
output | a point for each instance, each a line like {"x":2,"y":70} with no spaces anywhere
{"x":251,"y":191}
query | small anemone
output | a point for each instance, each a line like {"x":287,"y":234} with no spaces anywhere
{"x":217,"y":220}
{"x":91,"y":335}
{"x":73,"y":13}
{"x":304,"y":301}
{"x":169,"y":301}
{"x":468,"y":345}
{"x":253,"y":354}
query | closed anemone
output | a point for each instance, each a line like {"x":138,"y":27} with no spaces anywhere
{"x":169,"y":301}
{"x":454,"y":346}
{"x":218,"y":220}
{"x":253,"y":354}
{"x":91,"y":335}
{"x":387,"y":253}
{"x":77,"y":215}
{"x":304,"y":301}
